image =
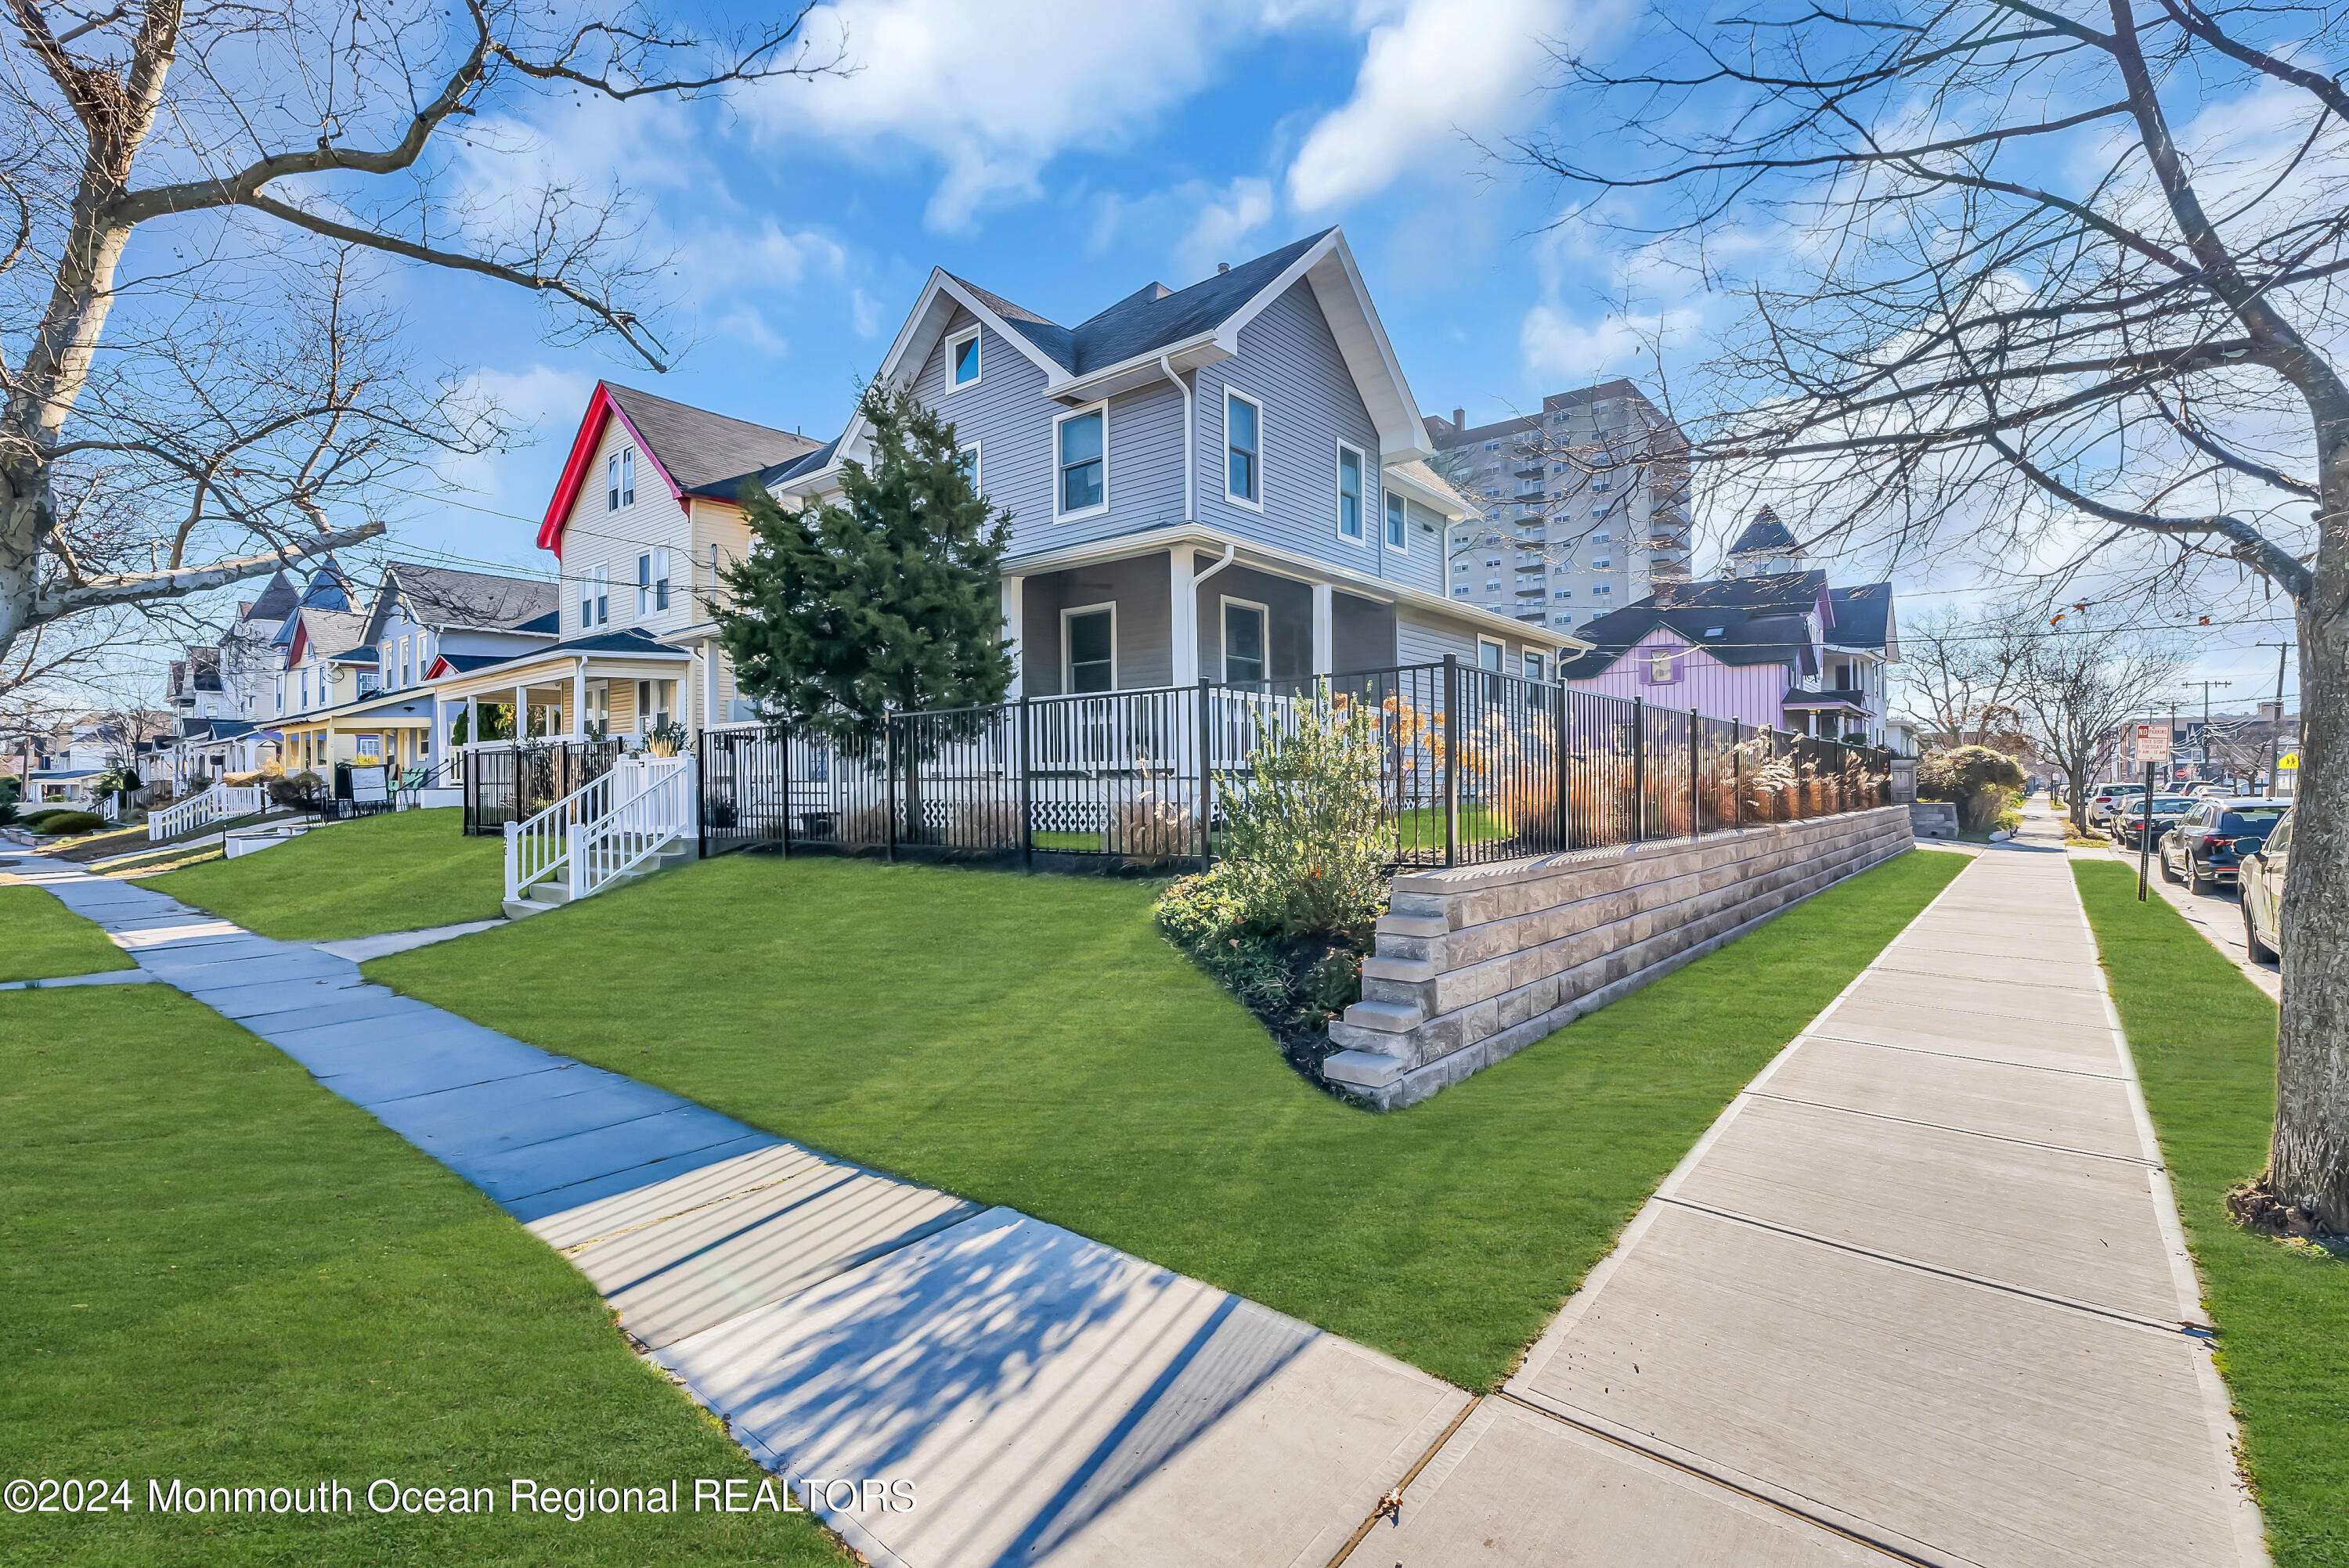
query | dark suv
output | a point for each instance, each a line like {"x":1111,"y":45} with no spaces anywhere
{"x":2209,"y":843}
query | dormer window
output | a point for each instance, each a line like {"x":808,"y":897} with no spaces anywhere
{"x":962,"y":358}
{"x":620,"y":479}
{"x":1243,"y":450}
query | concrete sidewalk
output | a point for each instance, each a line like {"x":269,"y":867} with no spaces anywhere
{"x":1920,"y":1291}
{"x":1050,"y":1399}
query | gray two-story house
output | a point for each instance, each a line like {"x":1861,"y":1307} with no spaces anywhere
{"x":1226,"y":480}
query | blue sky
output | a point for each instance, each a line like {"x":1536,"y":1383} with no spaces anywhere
{"x":1063,"y":156}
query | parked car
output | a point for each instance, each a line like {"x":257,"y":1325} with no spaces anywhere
{"x":2129,"y":818}
{"x":2262,"y":878}
{"x":2101,"y":799}
{"x":2209,"y":843}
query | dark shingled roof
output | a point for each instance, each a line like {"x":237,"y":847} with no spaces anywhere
{"x":1741,"y":621}
{"x":630,"y":640}
{"x":1863,"y":615}
{"x":332,"y":629}
{"x":276,"y":602}
{"x":1765,"y":532}
{"x":1149,"y":318}
{"x":485,"y":601}
{"x":699,"y":449}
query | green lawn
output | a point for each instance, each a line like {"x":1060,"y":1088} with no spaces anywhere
{"x":396,"y":872}
{"x":217,"y":1272}
{"x":1032,"y":1041}
{"x":41,"y":939}
{"x":2204,"y":1039}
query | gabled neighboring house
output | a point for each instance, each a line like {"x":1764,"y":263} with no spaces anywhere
{"x":647,"y":510}
{"x":424,"y":616}
{"x":221,"y":695}
{"x":1228,"y":480}
{"x":1771,"y":644}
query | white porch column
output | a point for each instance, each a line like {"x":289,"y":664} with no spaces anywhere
{"x":521,"y":712}
{"x":579,"y":699}
{"x":710,"y":682}
{"x":1015,"y":618}
{"x":440,"y":737}
{"x":1323,"y":654}
{"x":472,"y":719}
{"x":1183,"y":621}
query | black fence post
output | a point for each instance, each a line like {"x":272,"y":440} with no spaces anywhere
{"x":1737,"y":771}
{"x":781,"y":740}
{"x":1451,"y":760}
{"x":1558,"y":762}
{"x":1207,"y":773}
{"x":1638,"y":771}
{"x":1027,"y":794}
{"x":889,"y":767}
{"x":701,"y":788}
{"x":1696,"y":784}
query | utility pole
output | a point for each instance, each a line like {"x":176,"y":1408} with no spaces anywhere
{"x":2275,"y":727}
{"x":2206,"y":687}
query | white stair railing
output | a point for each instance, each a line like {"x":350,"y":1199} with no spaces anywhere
{"x":539,"y":847}
{"x":633,"y":831}
{"x":216,"y":804}
{"x":603,"y":828}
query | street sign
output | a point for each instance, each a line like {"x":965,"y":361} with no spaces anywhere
{"x":2153,"y":743}
{"x":2288,"y":763}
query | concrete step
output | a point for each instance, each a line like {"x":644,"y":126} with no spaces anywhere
{"x":1402,"y":971}
{"x":1387,"y":1018}
{"x":548,"y":892}
{"x":522,"y":908}
{"x":1425,"y":927}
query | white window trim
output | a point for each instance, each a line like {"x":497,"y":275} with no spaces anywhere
{"x":628,"y":476}
{"x":979,"y":457}
{"x":1257,"y":403}
{"x":1068,"y":666}
{"x":1059,"y":490}
{"x":1403,"y":501}
{"x":1500,"y":647}
{"x":612,"y":482}
{"x":1338,"y":494}
{"x":954,"y":341}
{"x":1223,"y":629}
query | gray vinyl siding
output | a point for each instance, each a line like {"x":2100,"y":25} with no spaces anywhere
{"x":1288,"y":619}
{"x":1289,"y":363}
{"x":1421,"y":639}
{"x":1140,"y":588}
{"x":1011,"y":417}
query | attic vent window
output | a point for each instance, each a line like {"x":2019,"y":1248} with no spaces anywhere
{"x":962,"y":357}
{"x":1713,"y":630}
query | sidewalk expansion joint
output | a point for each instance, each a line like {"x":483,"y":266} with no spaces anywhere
{"x":1390,"y":1505}
{"x":2002,"y":980}
{"x":1939,"y":1270}
{"x":1962,"y":1057}
{"x":1608,"y":1434}
{"x":1968,"y":1131}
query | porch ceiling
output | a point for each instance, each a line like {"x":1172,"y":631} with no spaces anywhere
{"x":560,"y":671}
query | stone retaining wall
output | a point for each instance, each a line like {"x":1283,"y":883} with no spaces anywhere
{"x":1476,"y":963}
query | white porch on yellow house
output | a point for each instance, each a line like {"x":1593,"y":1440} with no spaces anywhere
{"x":393,"y":731}
{"x":617,"y":684}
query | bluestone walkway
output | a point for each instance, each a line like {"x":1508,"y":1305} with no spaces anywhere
{"x":1051,"y":1399}
{"x":1920,"y":1293}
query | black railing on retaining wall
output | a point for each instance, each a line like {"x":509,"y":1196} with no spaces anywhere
{"x":1476,"y":765}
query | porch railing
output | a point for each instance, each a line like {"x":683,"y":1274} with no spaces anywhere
{"x":216,"y":804}
{"x":1474,"y":766}
{"x":509,"y":781}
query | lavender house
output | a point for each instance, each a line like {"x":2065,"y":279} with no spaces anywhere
{"x":1771,"y":643}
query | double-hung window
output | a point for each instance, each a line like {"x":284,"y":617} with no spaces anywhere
{"x":595,"y":601}
{"x":962,"y":358}
{"x":1082,"y":439}
{"x":1244,"y":641}
{"x":652,"y":582}
{"x":1350,"y":492}
{"x":1243,"y":450}
{"x":1533,"y":666}
{"x":612,"y":482}
{"x":628,"y":476}
{"x":1398,"y":524}
{"x":1089,"y":648}
{"x":969,"y":457}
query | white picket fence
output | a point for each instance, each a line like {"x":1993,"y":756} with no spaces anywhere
{"x":216,"y":804}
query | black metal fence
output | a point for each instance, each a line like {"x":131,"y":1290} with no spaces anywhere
{"x":1474,"y":766}
{"x":508,"y":783}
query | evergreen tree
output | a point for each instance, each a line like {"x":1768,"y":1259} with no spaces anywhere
{"x":881,"y":600}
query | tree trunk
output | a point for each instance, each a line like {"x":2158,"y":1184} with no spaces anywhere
{"x":2309,"y":1164}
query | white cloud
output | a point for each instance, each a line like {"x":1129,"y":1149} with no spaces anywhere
{"x":542,"y":406}
{"x":1434,"y":71}
{"x":1210,"y":224}
{"x":994,"y":93}
{"x":1560,"y":351}
{"x":1223,"y":225}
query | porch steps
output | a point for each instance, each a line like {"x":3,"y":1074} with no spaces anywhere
{"x":539,"y":897}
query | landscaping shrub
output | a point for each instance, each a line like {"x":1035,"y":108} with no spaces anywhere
{"x":298,"y":792}
{"x":1979,"y":781}
{"x":68,"y":821}
{"x":1285,"y":917}
{"x":7,"y":810}
{"x":1149,"y":827}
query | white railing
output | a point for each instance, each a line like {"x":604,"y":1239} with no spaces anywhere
{"x":660,"y":811}
{"x":216,"y":804}
{"x":603,"y":829}
{"x":539,"y":847}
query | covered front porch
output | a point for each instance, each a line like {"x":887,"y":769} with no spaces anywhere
{"x":1833,"y":714}
{"x":1171,"y":617}
{"x":625,"y":686}
{"x":388,"y":732}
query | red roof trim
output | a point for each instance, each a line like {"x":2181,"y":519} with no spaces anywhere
{"x":294,"y":649}
{"x":601,"y":408}
{"x":440,"y":667}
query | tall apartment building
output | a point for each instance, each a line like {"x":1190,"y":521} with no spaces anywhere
{"x":1585,"y":505}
